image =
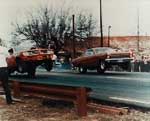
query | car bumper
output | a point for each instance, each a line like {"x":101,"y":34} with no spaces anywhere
{"x":118,"y":60}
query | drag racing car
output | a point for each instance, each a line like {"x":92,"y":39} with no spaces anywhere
{"x":101,"y":58}
{"x":27,"y":61}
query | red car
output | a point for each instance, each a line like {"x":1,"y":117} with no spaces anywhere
{"x":27,"y":61}
{"x":101,"y":58}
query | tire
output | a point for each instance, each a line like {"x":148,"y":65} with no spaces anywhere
{"x":48,"y":65}
{"x":21,"y":67}
{"x":82,"y":70}
{"x":11,"y":70}
{"x":101,"y":67}
{"x":127,"y":66}
{"x":31,"y":70}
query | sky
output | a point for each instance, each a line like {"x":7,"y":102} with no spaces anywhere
{"x":121,"y":15}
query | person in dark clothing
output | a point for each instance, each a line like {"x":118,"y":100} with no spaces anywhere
{"x":4,"y":80}
{"x":4,"y":76}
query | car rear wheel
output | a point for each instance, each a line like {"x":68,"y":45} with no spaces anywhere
{"x":11,"y":70}
{"x":48,"y":65}
{"x":82,"y":70}
{"x":101,"y":67}
{"x":126,"y":66}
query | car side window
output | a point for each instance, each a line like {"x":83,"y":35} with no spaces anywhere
{"x":89,"y":53}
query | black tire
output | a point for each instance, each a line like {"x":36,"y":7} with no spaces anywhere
{"x":127,"y":66}
{"x":82,"y":70}
{"x":48,"y":65}
{"x":31,"y":70}
{"x":101,"y":67}
{"x":11,"y":70}
{"x":21,"y":66}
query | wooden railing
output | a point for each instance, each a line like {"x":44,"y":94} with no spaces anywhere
{"x":77,"y":95}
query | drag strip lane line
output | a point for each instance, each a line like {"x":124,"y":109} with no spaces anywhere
{"x":130,"y":100}
{"x":129,"y":78}
{"x":109,"y":77}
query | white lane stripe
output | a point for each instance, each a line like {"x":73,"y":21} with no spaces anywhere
{"x":128,"y":78}
{"x":130,"y":100}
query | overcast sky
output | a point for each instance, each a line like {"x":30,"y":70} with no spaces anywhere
{"x":122,"y":15}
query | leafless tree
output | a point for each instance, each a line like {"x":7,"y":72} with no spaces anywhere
{"x":52,"y":27}
{"x":85,"y":25}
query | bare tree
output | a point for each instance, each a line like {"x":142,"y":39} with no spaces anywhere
{"x":85,"y":25}
{"x":52,"y":27}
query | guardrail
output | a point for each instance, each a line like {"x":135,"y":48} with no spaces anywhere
{"x":77,"y":95}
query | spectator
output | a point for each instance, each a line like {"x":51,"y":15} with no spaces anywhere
{"x":137,"y":64}
{"x":4,"y":76}
{"x":142,"y":64}
{"x":11,"y":51}
{"x":11,"y":59}
{"x":146,"y":64}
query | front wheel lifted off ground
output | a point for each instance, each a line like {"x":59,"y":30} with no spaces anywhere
{"x":31,"y":71}
{"x":82,"y":70}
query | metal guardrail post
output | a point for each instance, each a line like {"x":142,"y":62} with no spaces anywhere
{"x":82,"y":101}
{"x":16,"y":89}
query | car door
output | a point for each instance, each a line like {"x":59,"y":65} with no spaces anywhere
{"x":88,"y":58}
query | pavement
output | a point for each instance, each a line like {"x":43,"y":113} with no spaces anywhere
{"x":121,"y":87}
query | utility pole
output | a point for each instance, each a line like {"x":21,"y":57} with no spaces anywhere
{"x":138,"y":31}
{"x":73,"y":31}
{"x":109,"y":27}
{"x":101,"y":25}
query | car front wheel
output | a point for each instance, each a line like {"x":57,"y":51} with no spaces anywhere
{"x":82,"y":70}
{"x":31,"y":71}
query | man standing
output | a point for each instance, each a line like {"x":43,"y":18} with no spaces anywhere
{"x":11,"y":60}
{"x":4,"y":75}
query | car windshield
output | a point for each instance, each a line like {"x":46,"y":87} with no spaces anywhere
{"x":103,"y":50}
{"x":44,"y":51}
{"x":89,"y":52}
{"x":32,"y":52}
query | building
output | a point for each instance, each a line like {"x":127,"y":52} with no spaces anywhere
{"x":125,"y":42}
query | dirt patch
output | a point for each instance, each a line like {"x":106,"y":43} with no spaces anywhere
{"x":32,"y":109}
